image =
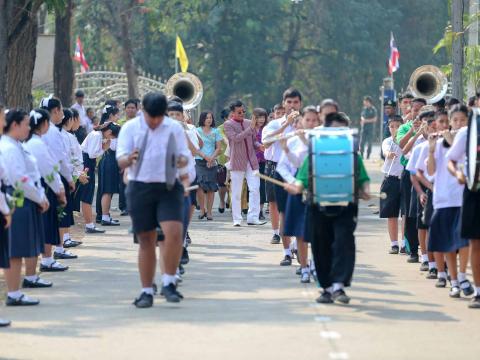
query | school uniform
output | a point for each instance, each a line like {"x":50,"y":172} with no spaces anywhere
{"x":26,"y":233}
{"x":416,"y":208}
{"x":425,"y":212}
{"x":392,"y":170}
{"x":4,"y":211}
{"x":108,"y":176}
{"x":51,"y":183}
{"x":470,"y":213}
{"x":66,"y":220}
{"x":445,"y":234}
{"x":153,"y":195}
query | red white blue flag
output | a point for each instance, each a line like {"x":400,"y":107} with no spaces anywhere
{"x":393,"y":61}
{"x":80,"y":56}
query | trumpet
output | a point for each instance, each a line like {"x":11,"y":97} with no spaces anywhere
{"x":440,"y":134}
{"x":271,"y":139}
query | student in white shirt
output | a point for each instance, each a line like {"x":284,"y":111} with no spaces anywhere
{"x":26,"y":233}
{"x":51,"y":182}
{"x":445,"y":236}
{"x":154,"y":195}
{"x":392,"y":169}
{"x":85,"y":123}
{"x":470,"y":208}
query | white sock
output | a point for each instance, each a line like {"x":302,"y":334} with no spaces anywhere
{"x":59,"y":249}
{"x":329,"y":290}
{"x":276,"y":232}
{"x":31,"y":277}
{"x":432,"y":265}
{"x":90,"y":225}
{"x":394,"y":243}
{"x":14,"y":294}
{"x":106,"y":218}
{"x":47,"y":261}
{"x":148,"y":290}
{"x":454,"y":282}
{"x":168,"y":279}
{"x":337,"y":286}
{"x":66,"y":236}
{"x":442,"y":274}
{"x":306,"y":270}
{"x":287,"y":252}
{"x":462,"y":276}
{"x":424,"y":257}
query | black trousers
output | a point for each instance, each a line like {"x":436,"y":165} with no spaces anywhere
{"x":122,"y":200}
{"x":410,"y":229}
{"x":333,"y":244}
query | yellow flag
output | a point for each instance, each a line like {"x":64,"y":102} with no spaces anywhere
{"x":181,"y":55}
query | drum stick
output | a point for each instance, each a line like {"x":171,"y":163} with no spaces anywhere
{"x":190,"y":188}
{"x":268,"y":178}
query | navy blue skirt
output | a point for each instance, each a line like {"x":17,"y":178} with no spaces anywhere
{"x":444,"y":234}
{"x":26,"y":232}
{"x":50,"y":218}
{"x":295,"y":216}
{"x":66,"y":220}
{"x":186,"y":214}
{"x":4,"y":253}
{"x":85,"y":193}
{"x":108,"y":174}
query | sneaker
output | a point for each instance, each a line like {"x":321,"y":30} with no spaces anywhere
{"x":93,"y":230}
{"x":305,"y":278}
{"x":394,"y":250}
{"x":287,"y":261}
{"x":4,"y":323}
{"x":257,"y":222}
{"x":37,"y":283}
{"x":124,"y":212}
{"x":403,"y":250}
{"x":236,"y":224}
{"x":341,"y":297}
{"x":432,"y":274}
{"x":185,"y":258}
{"x":324,"y":298}
{"x":454,"y":292}
{"x":110,"y":222}
{"x":189,"y":240}
{"x":171,"y":294}
{"x":53,"y":267}
{"x":65,"y":255}
{"x":475,"y":303}
{"x":275,"y":239}
{"x":144,"y":301}
{"x":441,"y":283}
{"x":467,"y":288}
{"x":71,"y":243}
{"x":23,"y":300}
{"x":424,"y":266}
{"x":181,"y":269}
{"x":412,"y":259}
{"x":298,"y":271}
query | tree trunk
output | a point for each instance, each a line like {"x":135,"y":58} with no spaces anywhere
{"x":457,"y":53}
{"x":3,"y":51}
{"x":63,"y":75}
{"x":131,"y":71}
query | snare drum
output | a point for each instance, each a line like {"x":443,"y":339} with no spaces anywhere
{"x":332,"y":166}
{"x":473,"y":151}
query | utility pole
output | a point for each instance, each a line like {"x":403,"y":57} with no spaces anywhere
{"x":457,"y":53}
{"x":472,"y":41}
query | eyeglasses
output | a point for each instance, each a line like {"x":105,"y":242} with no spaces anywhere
{"x":240,"y":111}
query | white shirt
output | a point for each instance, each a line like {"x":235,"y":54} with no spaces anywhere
{"x":133,"y":134}
{"x":4,"y":208}
{"x":274,"y":125}
{"x":391,"y":167}
{"x":192,"y":135}
{"x":113,"y":144}
{"x":458,"y":150}
{"x":46,"y":164}
{"x":92,"y":145}
{"x":58,"y":150}
{"x":422,"y":160}
{"x":414,"y":154}
{"x":290,"y":162}
{"x":21,"y":169}
{"x":76,"y":155}
{"x":85,"y":121}
{"x":447,"y":192}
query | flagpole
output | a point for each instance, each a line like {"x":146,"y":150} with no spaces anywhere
{"x":176,"y":61}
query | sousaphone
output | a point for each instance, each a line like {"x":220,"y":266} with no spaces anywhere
{"x":187,"y":87}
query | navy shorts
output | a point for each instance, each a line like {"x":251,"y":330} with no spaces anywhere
{"x":280,"y":195}
{"x":270,"y":167}
{"x":390,"y":207}
{"x":149,"y":204}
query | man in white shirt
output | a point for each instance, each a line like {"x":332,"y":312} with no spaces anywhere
{"x":85,"y":122}
{"x":154,"y":148}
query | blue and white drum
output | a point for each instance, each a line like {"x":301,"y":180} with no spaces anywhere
{"x":332,"y":166}
{"x":473,"y":151}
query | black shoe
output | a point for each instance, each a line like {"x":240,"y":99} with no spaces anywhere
{"x":201,"y":217}
{"x":298,"y":271}
{"x":189,"y":240}
{"x":94,"y":230}
{"x":155,"y":289}
{"x":275,"y":239}
{"x":441,"y":283}
{"x":467,"y":291}
{"x":124,"y":213}
{"x":245,"y":211}
{"x":38,"y":283}
{"x":403,"y":250}
{"x":424,"y":266}
{"x":4,"y":323}
{"x":53,"y":267}
{"x":324,"y":298}
{"x":261,"y":216}
{"x":227,"y":205}
{"x":394,"y":250}
{"x":412,"y":259}
{"x":110,"y":222}
{"x":287,"y":261}
{"x":181,"y":269}
{"x":21,"y":301}
{"x":185,"y":258}
{"x":432,"y":274}
{"x":65,"y":255}
{"x":341,"y":297}
{"x":69,"y":243}
{"x":221,"y":210}
{"x":475,"y":303}
{"x":144,"y":301}
{"x":171,"y":294}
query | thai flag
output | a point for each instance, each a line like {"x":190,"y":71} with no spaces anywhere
{"x":80,"y":57}
{"x":393,"y":62}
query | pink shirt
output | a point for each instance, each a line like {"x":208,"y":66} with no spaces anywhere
{"x":242,"y":140}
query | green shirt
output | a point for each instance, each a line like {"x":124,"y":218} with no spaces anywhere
{"x":302,"y":174}
{"x":402,"y":131}
{"x":222,"y":158}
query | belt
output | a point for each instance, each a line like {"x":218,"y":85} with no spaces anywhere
{"x":393,"y":176}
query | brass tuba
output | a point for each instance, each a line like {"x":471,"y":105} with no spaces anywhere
{"x":187,"y":87}
{"x":428,"y":82}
